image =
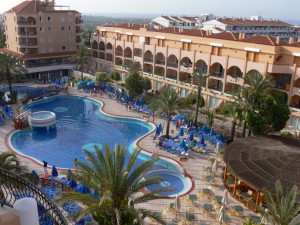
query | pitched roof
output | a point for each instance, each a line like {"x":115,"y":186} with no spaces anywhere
{"x":263,"y":40}
{"x":296,"y":44}
{"x":242,"y":22}
{"x":180,"y":18}
{"x":170,"y":30}
{"x":194,"y":32}
{"x":29,"y":6}
{"x":225,"y":36}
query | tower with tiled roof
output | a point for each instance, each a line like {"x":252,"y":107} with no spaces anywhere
{"x":44,"y":35}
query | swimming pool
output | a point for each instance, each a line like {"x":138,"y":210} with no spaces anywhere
{"x":80,"y":125}
{"x":22,"y":90}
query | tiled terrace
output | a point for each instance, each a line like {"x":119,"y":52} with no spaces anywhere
{"x":195,"y":167}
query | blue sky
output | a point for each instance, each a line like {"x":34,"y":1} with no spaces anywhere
{"x":287,"y":9}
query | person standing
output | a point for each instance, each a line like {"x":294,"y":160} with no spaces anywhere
{"x":45,"y":167}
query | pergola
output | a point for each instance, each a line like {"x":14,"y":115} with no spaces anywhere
{"x":257,"y":162}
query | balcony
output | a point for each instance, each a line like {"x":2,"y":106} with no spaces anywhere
{"x":148,"y":59}
{"x":186,"y":69}
{"x":24,"y":23}
{"x":78,"y":21}
{"x":235,"y":80}
{"x":79,"y":31}
{"x":128,"y":56}
{"x":28,"y":44}
{"x":160,"y":62}
{"x":173,"y":64}
{"x":119,"y":54}
{"x":217,"y":74}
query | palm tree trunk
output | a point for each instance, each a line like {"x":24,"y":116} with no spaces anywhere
{"x":233,"y":123}
{"x":244,"y":129}
{"x":9,"y":81}
{"x":197,"y":106}
{"x":168,"y":125}
{"x":249,"y":132}
{"x":81,"y":68}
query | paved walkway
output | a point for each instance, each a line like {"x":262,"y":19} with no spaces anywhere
{"x":195,"y":167}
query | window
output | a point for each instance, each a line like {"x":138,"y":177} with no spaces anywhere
{"x":69,"y":28}
{"x":41,"y":29}
{"x":49,"y":18}
{"x":41,"y":19}
{"x":49,"y":28}
{"x":63,"y":47}
{"x":62,"y":28}
{"x":62,"y":19}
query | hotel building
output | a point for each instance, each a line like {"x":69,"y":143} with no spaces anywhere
{"x":169,"y":57}
{"x":44,"y":35}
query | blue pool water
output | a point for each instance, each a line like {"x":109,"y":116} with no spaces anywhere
{"x":80,"y":126}
{"x":22,"y":90}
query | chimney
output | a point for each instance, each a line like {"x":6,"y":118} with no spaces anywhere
{"x":145,"y":26}
{"x":116,"y":23}
{"x":291,"y":40}
{"x":277,"y":40}
{"x":243,"y":35}
{"x":129,"y":24}
{"x":240,"y":36}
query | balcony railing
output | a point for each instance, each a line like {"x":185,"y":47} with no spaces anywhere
{"x":78,"y":21}
{"x":148,"y":59}
{"x":119,"y":53}
{"x":28,"y":43}
{"x":128,"y":55}
{"x":26,"y":22}
{"x":13,"y":185}
{"x":217,"y":74}
{"x":160,"y":62}
{"x":79,"y":31}
{"x":172,"y":64}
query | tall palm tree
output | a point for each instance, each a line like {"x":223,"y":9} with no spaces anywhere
{"x":199,"y":79}
{"x":167,"y":102}
{"x":233,"y":112}
{"x":282,"y":207}
{"x":82,"y":57}
{"x":10,"y":67}
{"x":116,"y":180}
{"x":9,"y":161}
{"x":256,"y":84}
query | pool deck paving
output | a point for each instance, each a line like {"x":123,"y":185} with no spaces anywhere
{"x":193,"y":204}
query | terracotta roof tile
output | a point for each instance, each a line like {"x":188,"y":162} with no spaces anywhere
{"x":34,"y":7}
{"x":225,"y":36}
{"x":194,"y":32}
{"x":241,"y":22}
{"x":263,"y":40}
{"x":171,"y":30}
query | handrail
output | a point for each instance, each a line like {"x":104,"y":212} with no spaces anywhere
{"x":24,"y":114}
{"x":13,"y":185}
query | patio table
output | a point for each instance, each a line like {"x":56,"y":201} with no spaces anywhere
{"x":255,"y":219}
{"x":245,"y":195}
{"x":189,"y":216}
{"x":209,"y":178}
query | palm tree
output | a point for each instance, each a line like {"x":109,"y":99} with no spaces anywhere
{"x":167,"y":102}
{"x":233,"y":112}
{"x":199,"y":79}
{"x":10,"y":162}
{"x":282,"y":207}
{"x":10,"y":67}
{"x":82,"y":57}
{"x":247,"y":96}
{"x":116,"y":180}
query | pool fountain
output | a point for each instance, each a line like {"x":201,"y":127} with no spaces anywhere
{"x":42,"y":119}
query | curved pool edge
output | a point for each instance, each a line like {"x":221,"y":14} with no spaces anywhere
{"x":135,"y":143}
{"x":36,"y":161}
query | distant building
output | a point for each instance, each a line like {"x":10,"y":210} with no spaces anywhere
{"x":252,"y":27}
{"x":44,"y":35}
{"x":256,"y":25}
{"x":186,"y":22}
